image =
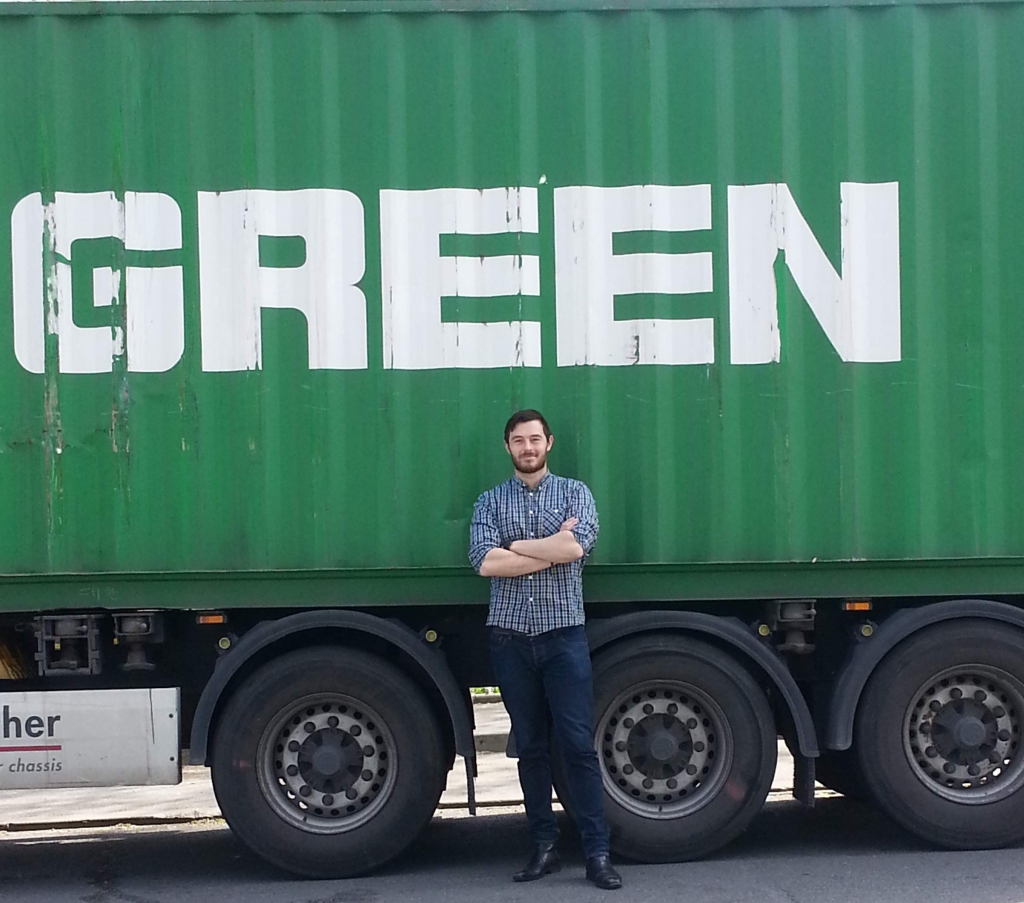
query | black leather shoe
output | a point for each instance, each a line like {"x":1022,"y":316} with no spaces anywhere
{"x":600,"y":871}
{"x":544,"y":861}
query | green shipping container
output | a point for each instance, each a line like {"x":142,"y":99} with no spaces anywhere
{"x":275,"y":274}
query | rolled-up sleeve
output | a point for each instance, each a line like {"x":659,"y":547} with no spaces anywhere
{"x":483,"y":531}
{"x":582,"y":507}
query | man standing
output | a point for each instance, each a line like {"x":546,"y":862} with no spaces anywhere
{"x":531,"y":536}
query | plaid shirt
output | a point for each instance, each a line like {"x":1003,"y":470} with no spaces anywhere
{"x":549,"y":599}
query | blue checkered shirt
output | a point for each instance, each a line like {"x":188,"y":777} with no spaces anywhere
{"x":549,"y":599}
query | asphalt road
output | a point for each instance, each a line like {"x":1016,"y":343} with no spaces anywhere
{"x":841,"y":852}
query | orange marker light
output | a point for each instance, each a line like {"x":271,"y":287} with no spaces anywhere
{"x":857,"y":606}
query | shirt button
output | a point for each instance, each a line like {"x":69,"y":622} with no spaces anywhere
{"x":531,"y":598}
{"x":531,"y":576}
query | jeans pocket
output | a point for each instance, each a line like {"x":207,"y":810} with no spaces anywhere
{"x":499,"y":640}
{"x":573,"y":641}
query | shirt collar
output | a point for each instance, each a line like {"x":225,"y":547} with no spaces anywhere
{"x":547,"y":477}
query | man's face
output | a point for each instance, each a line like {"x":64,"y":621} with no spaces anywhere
{"x":529,"y":447}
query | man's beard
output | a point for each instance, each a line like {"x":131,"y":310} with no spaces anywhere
{"x":531,"y":465}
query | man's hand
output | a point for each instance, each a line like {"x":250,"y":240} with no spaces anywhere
{"x":559,"y":548}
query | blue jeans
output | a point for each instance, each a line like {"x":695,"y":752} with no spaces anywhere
{"x":538,"y":675}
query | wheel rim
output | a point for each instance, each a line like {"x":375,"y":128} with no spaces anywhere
{"x":961,"y":734}
{"x":666,"y":748}
{"x":327,"y":763}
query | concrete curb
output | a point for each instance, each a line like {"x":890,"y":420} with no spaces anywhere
{"x":490,"y":742}
{"x":148,"y":821}
{"x":775,"y":795}
{"x":141,"y":821}
{"x":489,"y":739}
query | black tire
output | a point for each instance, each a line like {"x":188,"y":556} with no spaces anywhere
{"x":717,"y":706}
{"x":349,"y":698}
{"x":923,"y":709}
{"x":839,"y":770}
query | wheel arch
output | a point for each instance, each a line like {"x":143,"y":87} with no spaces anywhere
{"x":867,"y":655}
{"x":316,"y":628}
{"x":730,"y":633}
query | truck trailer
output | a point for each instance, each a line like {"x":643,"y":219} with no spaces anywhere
{"x":274,"y":274}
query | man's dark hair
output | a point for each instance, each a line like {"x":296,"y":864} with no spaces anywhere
{"x":527,"y":416}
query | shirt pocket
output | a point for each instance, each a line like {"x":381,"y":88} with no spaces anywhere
{"x":551,"y":520}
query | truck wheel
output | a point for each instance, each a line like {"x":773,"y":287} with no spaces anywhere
{"x":328,"y":762}
{"x":939,"y":731}
{"x":687,"y":746}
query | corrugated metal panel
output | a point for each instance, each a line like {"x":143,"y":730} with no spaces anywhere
{"x":120,"y":123}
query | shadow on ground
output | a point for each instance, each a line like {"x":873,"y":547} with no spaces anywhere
{"x":782,"y":829}
{"x":841,"y":851}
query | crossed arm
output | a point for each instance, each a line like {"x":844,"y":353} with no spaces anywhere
{"x":527,"y":556}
